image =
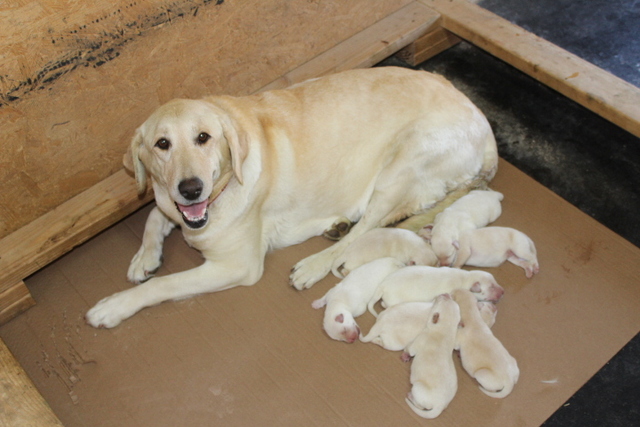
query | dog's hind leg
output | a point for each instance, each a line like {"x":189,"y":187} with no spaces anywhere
{"x":149,"y":257}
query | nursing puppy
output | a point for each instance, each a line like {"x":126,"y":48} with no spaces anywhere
{"x":474,"y":210}
{"x":433,"y":374}
{"x":482,"y":355}
{"x":424,"y":283}
{"x":400,"y":324}
{"x":491,"y":246}
{"x":245,"y":175}
{"x":348,"y":299}
{"x":398,"y":243}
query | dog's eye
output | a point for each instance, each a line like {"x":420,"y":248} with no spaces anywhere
{"x":203,"y":137}
{"x":163,"y":144}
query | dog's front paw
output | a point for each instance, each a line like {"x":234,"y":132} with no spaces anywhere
{"x":144,"y":265}
{"x":112,"y":310}
{"x":310,"y":270}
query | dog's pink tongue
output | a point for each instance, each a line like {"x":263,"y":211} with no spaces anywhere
{"x":195,"y":211}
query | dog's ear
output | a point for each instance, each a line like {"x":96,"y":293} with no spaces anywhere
{"x":456,"y":245}
{"x":132,"y":162}
{"x":238,"y":144}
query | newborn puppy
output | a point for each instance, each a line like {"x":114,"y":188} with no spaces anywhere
{"x":400,"y":324}
{"x":424,"y":283}
{"x":348,"y":299}
{"x":482,"y":355}
{"x":491,"y":246}
{"x":397,"y":326}
{"x":398,"y":243}
{"x":433,"y":374}
{"x":475,"y":210}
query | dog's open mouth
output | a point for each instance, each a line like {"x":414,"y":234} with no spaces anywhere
{"x":195,"y":215}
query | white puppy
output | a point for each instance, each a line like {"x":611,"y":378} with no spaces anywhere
{"x":348,"y":299}
{"x":433,"y":374}
{"x":482,"y":355}
{"x":475,"y":210}
{"x":398,"y":243}
{"x":400,"y":324}
{"x":491,"y":246}
{"x":424,"y":283}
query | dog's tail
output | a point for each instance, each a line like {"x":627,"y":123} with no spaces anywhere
{"x":480,"y":182}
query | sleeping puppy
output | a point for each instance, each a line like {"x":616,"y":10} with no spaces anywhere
{"x":474,"y":210}
{"x":349,"y":298}
{"x":398,"y":243}
{"x":491,"y":246}
{"x":482,"y":355}
{"x":242,"y":176}
{"x":400,"y":324}
{"x":424,"y":283}
{"x":433,"y":374}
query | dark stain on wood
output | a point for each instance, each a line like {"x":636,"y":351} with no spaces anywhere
{"x":83,"y":51}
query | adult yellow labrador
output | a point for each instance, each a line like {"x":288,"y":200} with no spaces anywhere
{"x":243,"y":175}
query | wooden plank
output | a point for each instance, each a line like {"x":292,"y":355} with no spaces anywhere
{"x":61,"y":229}
{"x":14,"y":301}
{"x":20,"y":402}
{"x":368,"y":47}
{"x":601,"y":92}
{"x":428,"y":46}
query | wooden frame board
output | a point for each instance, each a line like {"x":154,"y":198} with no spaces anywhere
{"x":59,"y":230}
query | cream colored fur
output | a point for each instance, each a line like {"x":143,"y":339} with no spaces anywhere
{"x":279,"y":167}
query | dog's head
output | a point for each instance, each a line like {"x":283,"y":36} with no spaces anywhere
{"x":191,"y":148}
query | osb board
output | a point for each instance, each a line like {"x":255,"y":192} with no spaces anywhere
{"x":257,"y":355}
{"x":76,"y":78}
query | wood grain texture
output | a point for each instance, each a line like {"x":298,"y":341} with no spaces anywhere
{"x":67,"y":130}
{"x":599,"y":91}
{"x":20,"y":402}
{"x":14,"y":300}
{"x":368,"y":47}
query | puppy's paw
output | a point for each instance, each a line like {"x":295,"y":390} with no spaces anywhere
{"x":310,"y":270}
{"x":144,"y":264}
{"x":112,"y":310}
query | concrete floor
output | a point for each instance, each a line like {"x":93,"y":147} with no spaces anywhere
{"x":581,"y":157}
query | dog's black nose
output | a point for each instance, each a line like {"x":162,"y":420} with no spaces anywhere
{"x":190,"y":188}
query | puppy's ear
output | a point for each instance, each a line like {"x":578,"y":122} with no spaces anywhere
{"x":456,"y":245}
{"x":132,"y":162}
{"x":238,"y":144}
{"x":426,"y":232}
{"x":435,"y":318}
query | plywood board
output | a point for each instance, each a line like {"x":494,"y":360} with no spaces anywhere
{"x":67,"y":133}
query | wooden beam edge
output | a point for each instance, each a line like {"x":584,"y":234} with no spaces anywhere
{"x":592,"y":87}
{"x":50,"y":236}
{"x":14,"y":301}
{"x":20,"y":402}
{"x":366,"y":48}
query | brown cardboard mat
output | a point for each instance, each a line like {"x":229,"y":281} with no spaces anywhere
{"x":258,"y":355}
